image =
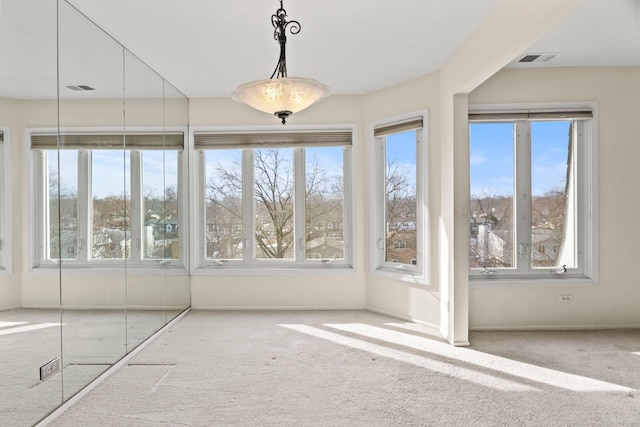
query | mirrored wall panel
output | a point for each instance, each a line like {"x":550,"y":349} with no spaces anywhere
{"x":94,"y":199}
{"x":98,"y":205}
{"x":30,"y":322}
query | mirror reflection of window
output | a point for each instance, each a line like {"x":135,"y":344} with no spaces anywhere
{"x":63,"y":203}
{"x":111,"y":204}
{"x":160,"y":209}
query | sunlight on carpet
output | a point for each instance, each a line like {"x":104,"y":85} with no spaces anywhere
{"x":499,"y":364}
{"x":7,"y":324}
{"x":417,"y":360}
{"x":20,"y":329}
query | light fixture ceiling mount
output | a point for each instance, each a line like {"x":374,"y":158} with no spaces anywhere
{"x":281,"y":95}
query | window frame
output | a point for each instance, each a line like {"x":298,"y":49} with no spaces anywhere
{"x":6,"y":251}
{"x":585,"y":156}
{"x":413,"y":273}
{"x":39,"y":191}
{"x":249,"y":261}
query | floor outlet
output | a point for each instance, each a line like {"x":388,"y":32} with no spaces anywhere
{"x":49,"y":368}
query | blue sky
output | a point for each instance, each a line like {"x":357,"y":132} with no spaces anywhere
{"x":491,"y":161}
{"x":110,"y":168}
{"x":401,"y":149}
{"x":68,"y":169}
{"x":329,"y":158}
{"x":159,"y":170}
{"x":492,"y":157}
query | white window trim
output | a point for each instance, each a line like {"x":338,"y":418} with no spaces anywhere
{"x":587,"y":206}
{"x":406,"y":273}
{"x":6,"y":247}
{"x":200,"y":265}
{"x":37,"y":206}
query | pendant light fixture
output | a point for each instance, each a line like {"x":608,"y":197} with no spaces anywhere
{"x":281,"y":95}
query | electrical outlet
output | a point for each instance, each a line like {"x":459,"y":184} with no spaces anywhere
{"x":565,"y":298}
{"x":49,"y":368}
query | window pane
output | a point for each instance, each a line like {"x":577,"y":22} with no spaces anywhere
{"x":63,"y":211}
{"x":324,"y":204}
{"x":273,"y":181}
{"x":223,"y":169}
{"x":553,"y":241}
{"x":491,"y":147}
{"x":110,"y":181}
{"x":400,"y":198}
{"x":160,"y":204}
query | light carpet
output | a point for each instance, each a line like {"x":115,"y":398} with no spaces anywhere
{"x":356,"y":368}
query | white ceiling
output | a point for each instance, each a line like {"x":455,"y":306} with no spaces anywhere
{"x":208,"y":47}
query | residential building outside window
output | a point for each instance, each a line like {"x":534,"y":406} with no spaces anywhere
{"x":400,"y":195}
{"x":269,"y":199}
{"x":531,"y":181}
{"x":105,"y":197}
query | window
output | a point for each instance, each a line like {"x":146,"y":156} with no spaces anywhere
{"x":273,"y":198}
{"x":399,"y":245}
{"x":400,"y":168}
{"x":531,"y":210}
{"x":5,"y":212}
{"x":105,"y":197}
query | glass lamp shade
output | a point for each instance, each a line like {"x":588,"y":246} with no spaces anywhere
{"x":283,"y":95}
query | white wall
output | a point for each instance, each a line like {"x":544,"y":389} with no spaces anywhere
{"x":420,"y":302}
{"x":615,"y":300}
{"x":9,"y":279}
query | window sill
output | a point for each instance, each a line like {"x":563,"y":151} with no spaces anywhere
{"x":538,"y":280}
{"x":110,"y":269}
{"x":238,"y":269}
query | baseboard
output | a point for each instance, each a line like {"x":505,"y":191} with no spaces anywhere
{"x":10,"y":307}
{"x":104,"y":308}
{"x":553,"y":328}
{"x":274,"y":308}
{"x":40,"y":307}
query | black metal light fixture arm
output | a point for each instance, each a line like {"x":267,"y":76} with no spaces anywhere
{"x":280,"y":25}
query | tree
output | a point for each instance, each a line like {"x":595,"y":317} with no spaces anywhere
{"x":401,"y":215}
{"x":274,"y":205}
{"x":492,"y":231}
{"x":549,"y":211}
{"x":111,"y":225}
{"x":323,"y":201}
{"x":274,"y":190}
{"x":63,"y":218}
{"x":224,"y":212}
{"x":496,"y":209}
{"x":161,"y":213}
{"x":548,"y":215}
{"x":491,"y":213}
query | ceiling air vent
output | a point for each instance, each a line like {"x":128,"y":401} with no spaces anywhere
{"x":536,"y":57}
{"x":80,"y":87}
